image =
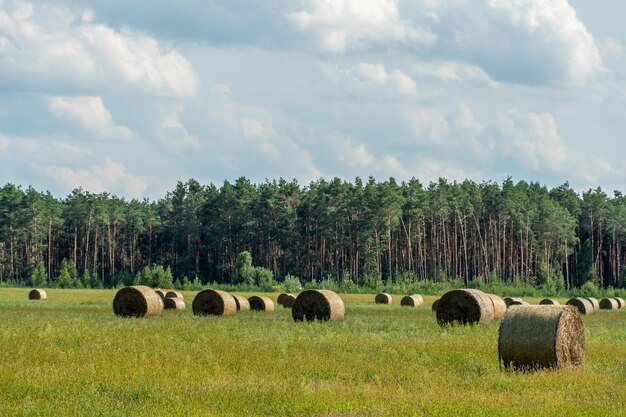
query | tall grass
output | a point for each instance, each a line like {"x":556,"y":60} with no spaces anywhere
{"x":70,"y":355}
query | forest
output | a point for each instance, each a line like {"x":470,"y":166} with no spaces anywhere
{"x":364,"y":232}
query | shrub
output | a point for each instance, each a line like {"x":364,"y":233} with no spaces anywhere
{"x":292,"y":284}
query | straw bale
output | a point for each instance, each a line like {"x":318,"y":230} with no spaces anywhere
{"x":383,"y":298}
{"x":594,"y":302}
{"x":583,"y":305}
{"x":214,"y":303}
{"x":549,"y":302}
{"x":289,"y":300}
{"x":261,"y":303}
{"x":609,"y":304}
{"x":38,"y":294}
{"x":320,"y":305}
{"x":499,"y":306}
{"x":241,"y":302}
{"x":174,"y":303}
{"x":137,"y":301}
{"x":435,"y":304}
{"x":175,"y":294}
{"x":620,"y":301}
{"x":414,"y":300}
{"x":282,"y":296}
{"x":465,"y":306}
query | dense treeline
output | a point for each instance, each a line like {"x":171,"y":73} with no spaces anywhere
{"x":363,"y":232}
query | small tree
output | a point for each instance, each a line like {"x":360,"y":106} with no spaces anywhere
{"x":244,"y":271}
{"x":64,"y":279}
{"x":39,"y":277}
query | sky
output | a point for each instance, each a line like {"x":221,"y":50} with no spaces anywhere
{"x":131,"y":97}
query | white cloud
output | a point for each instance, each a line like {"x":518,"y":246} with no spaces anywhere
{"x":174,"y":136}
{"x":90,"y":113}
{"x":354,"y":154}
{"x":397,"y":79}
{"x":106,"y":176}
{"x":44,"y":46}
{"x":427,"y":123}
{"x":341,"y":25}
{"x":4,"y":143}
{"x":466,"y":119}
{"x":452,"y":71}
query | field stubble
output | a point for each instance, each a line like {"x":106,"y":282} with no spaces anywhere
{"x":70,"y":355}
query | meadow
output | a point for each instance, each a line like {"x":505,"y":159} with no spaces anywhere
{"x":70,"y":355}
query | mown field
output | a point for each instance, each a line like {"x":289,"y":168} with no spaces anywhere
{"x":69,"y":355}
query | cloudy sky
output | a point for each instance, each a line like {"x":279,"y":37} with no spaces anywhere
{"x":130,"y":97}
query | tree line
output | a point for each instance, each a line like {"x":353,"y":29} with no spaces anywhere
{"x":364,"y":232}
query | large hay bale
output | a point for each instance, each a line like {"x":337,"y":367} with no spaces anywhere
{"x":383,"y":298}
{"x":174,"y":303}
{"x":549,"y":302}
{"x":414,"y":300}
{"x":160,"y":292}
{"x":282,"y":296}
{"x":594,"y":302}
{"x":514,"y":301}
{"x":38,"y":294}
{"x":465,"y":307}
{"x":435,"y":304}
{"x":137,"y":301}
{"x":583,"y":305}
{"x":174,"y":294}
{"x":289,"y":300}
{"x":214,"y":303}
{"x":321,"y":305}
{"x":499,"y":306}
{"x":609,"y":304}
{"x":620,"y":301}
{"x":261,"y":303}
{"x":544,"y":336}
{"x":241,"y":302}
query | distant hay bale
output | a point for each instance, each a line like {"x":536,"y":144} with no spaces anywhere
{"x":499,"y":306}
{"x":241,"y":302}
{"x":38,"y":294}
{"x":514,"y":301}
{"x":620,"y":301}
{"x":137,"y":301}
{"x":435,"y":304}
{"x":213,"y":303}
{"x":465,"y":306}
{"x":174,"y":303}
{"x":383,"y":298}
{"x":583,"y":305}
{"x":609,"y":304}
{"x":414,"y":300}
{"x":261,"y":303}
{"x":289,"y":300}
{"x":160,"y":292}
{"x":545,"y":336}
{"x":549,"y":302}
{"x":594,"y":302}
{"x":323,"y":305}
{"x":282,"y":296}
{"x":174,"y":294}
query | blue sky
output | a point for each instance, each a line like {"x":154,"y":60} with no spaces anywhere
{"x":130,"y":97}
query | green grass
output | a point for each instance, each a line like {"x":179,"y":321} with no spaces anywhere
{"x":69,"y":355}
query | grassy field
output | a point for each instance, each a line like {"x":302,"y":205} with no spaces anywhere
{"x":69,"y":355}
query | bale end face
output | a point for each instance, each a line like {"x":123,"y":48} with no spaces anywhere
{"x":282,"y":296}
{"x":213,"y":303}
{"x":620,"y":301}
{"x":322,"y":305}
{"x":261,"y":303}
{"x":534,"y":337}
{"x":383,"y":298}
{"x":465,"y":307}
{"x":174,"y":294}
{"x":594,"y":303}
{"x":549,"y":302}
{"x":137,"y":301}
{"x":289,"y":300}
{"x":37,"y":294}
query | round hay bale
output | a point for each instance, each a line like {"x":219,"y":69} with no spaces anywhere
{"x":546,"y":336}
{"x":241,"y":302}
{"x":289,"y":300}
{"x":518,"y":303}
{"x":549,"y":302}
{"x":465,"y":307}
{"x":174,"y":303}
{"x":594,"y":302}
{"x":261,"y":303}
{"x":414,"y":300}
{"x":583,"y":305}
{"x":510,"y":300}
{"x":282,"y":296}
{"x":174,"y":294}
{"x":137,"y":301}
{"x":609,"y":304}
{"x":38,"y":294}
{"x":435,"y":304}
{"x":383,"y":298}
{"x":499,"y":306}
{"x":214,"y":303}
{"x":323,"y":305}
{"x":620,"y":301}
{"x":160,"y":292}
